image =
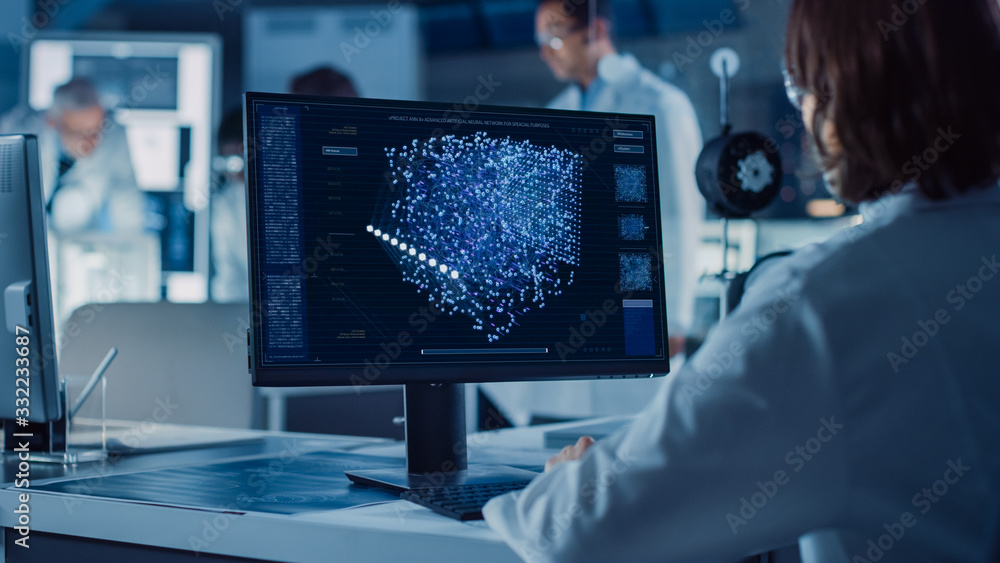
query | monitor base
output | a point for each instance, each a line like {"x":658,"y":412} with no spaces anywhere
{"x":400,"y":480}
{"x":436,"y":446}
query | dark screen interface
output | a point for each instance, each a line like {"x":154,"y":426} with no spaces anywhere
{"x":413,"y":232}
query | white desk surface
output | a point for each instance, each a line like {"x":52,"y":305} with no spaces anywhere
{"x":389,"y":531}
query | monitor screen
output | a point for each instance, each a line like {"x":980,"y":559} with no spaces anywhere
{"x":28,"y":352}
{"x":400,"y":242}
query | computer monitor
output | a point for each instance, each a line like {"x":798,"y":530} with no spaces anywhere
{"x":433,"y":245}
{"x":28,"y":352}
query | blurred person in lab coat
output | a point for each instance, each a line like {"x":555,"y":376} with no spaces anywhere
{"x":230,"y":279}
{"x":849,"y":403}
{"x":575,"y":39}
{"x":92,"y":197}
{"x":87,"y":173}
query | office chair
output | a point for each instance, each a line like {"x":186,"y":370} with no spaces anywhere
{"x":177,"y":363}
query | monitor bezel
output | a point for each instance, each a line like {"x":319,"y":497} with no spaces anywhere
{"x":304,"y":376}
{"x":45,"y":399}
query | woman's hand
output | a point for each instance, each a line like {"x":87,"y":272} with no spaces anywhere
{"x":570,"y":453}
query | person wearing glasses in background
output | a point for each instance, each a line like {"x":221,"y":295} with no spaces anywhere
{"x":858,"y":414}
{"x":230,"y":269}
{"x":89,"y":182}
{"x":231,"y":277}
{"x":94,"y":205}
{"x":575,"y":40}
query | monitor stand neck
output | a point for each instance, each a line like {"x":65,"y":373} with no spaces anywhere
{"x":435,"y":428}
{"x":436,"y":445}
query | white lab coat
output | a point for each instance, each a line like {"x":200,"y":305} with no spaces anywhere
{"x":626,"y":87}
{"x":99,"y":188}
{"x":230,"y":284}
{"x":99,"y":195}
{"x":851,"y":398}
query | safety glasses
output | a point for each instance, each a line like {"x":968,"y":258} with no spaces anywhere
{"x":555,"y":40}
{"x":794,"y":92}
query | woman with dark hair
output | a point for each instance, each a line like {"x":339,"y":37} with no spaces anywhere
{"x":851,"y":402}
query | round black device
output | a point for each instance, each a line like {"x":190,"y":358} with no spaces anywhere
{"x":739,"y":174}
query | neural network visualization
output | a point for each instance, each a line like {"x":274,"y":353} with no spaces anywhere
{"x":630,"y":183}
{"x":636,"y":271}
{"x":632,"y":227}
{"x":488,"y":228}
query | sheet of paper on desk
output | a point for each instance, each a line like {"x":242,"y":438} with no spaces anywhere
{"x":162,"y":438}
{"x":287,"y":483}
{"x":532,"y":460}
{"x":481,"y":450}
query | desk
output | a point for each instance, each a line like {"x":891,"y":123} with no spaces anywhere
{"x":79,"y":527}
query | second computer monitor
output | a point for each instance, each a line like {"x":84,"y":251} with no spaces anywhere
{"x":30,"y":391}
